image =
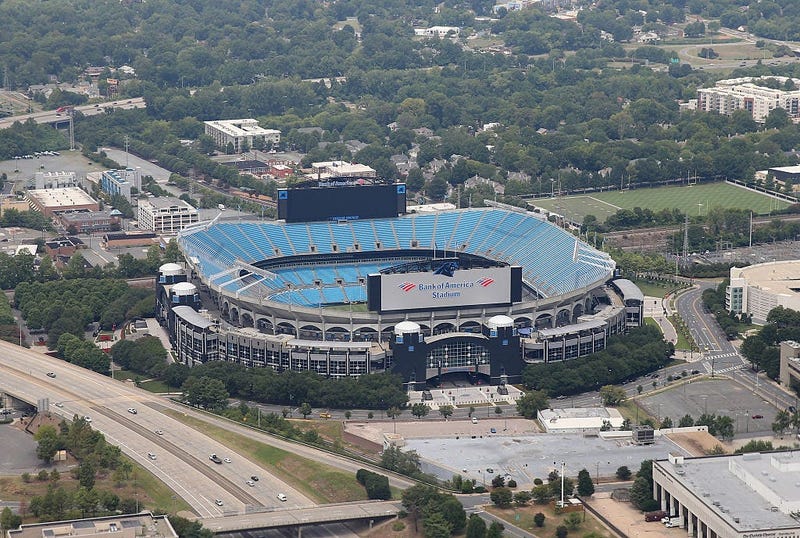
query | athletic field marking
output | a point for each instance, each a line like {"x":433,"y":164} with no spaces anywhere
{"x":616,"y":208}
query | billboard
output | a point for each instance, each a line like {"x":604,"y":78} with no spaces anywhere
{"x":341,"y":199}
{"x":448,"y":287}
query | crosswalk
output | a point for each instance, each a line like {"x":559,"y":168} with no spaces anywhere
{"x":707,"y":364}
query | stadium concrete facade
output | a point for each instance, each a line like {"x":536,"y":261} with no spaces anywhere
{"x":295,"y":295}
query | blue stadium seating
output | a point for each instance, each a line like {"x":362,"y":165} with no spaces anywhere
{"x":544,"y":251}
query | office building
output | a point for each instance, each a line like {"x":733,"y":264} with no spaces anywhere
{"x":244,"y":133}
{"x":166,"y":215}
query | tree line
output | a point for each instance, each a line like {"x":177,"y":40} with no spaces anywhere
{"x":637,"y":353}
{"x":763,"y":349}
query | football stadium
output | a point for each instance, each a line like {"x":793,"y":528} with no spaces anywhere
{"x":347,"y":282}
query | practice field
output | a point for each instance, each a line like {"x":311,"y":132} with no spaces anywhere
{"x":691,"y":199}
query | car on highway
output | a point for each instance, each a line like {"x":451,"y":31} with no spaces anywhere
{"x":227,"y":460}
{"x":159,"y":432}
{"x":757,"y":416}
{"x":215,"y":459}
{"x":87,"y":418}
{"x":254,"y":478}
{"x":132,"y":410}
{"x":151,"y":455}
{"x":250,"y":483}
{"x":218,"y":502}
{"x":282,"y":497}
{"x":51,"y":374}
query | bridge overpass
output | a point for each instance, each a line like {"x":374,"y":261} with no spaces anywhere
{"x":55,"y":118}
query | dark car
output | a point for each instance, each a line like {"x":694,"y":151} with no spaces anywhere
{"x":757,"y":416}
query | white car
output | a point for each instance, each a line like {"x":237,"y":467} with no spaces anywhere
{"x":282,"y":497}
{"x":151,"y":455}
{"x":132,"y":410}
{"x":159,"y":432}
{"x":87,"y":418}
{"x":227,"y":460}
{"x":218,"y":502}
{"x":59,"y":404}
{"x":251,"y":483}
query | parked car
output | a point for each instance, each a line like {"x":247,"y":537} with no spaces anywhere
{"x":132,"y":410}
{"x":282,"y":497}
{"x":215,"y":459}
{"x":51,"y":374}
{"x":218,"y":502}
{"x":151,"y":455}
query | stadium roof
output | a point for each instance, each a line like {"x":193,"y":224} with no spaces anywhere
{"x":629,"y":290}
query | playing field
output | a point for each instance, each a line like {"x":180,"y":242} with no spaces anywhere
{"x":692,"y":199}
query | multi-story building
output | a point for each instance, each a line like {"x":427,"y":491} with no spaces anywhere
{"x":143,"y":524}
{"x":90,"y":221}
{"x":740,"y":496}
{"x":241,"y":132}
{"x":743,"y":93}
{"x":757,"y":289}
{"x":166,"y":215}
{"x":121,"y":182}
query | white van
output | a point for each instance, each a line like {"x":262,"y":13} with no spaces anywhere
{"x":474,"y":420}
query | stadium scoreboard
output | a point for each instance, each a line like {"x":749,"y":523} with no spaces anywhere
{"x":341,"y":199}
{"x":429,"y":290}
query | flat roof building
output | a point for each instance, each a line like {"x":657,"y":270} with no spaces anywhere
{"x":166,"y":215}
{"x":143,"y":525}
{"x":579,"y":419}
{"x":757,"y":289}
{"x":328,"y":169}
{"x":49,"y":201}
{"x":741,"y":496}
{"x":241,"y":132}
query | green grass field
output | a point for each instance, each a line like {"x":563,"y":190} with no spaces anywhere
{"x":693,"y":199}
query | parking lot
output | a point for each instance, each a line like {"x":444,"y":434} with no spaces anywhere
{"x":17,"y":451}
{"x":719,"y":396}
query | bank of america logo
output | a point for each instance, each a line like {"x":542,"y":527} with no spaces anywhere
{"x":486,"y":281}
{"x":407,"y":286}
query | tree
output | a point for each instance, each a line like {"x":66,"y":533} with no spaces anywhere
{"x":502,"y":497}
{"x":436,"y":526}
{"x":542,"y":494}
{"x":529,"y":405}
{"x":538,"y":519}
{"x":522,"y":498}
{"x":49,"y":444}
{"x":642,"y":495}
{"x":476,"y":527}
{"x":585,"y":484}
{"x":612,"y":396}
{"x":86,"y":472}
{"x":420,"y":410}
{"x":623,"y":473}
{"x":573,"y":520}
{"x":686,"y":421}
{"x":9,"y":520}
{"x":495,"y":530}
{"x":205,"y":392}
{"x":446,"y":411}
{"x":561,"y":531}
{"x":305,"y":409}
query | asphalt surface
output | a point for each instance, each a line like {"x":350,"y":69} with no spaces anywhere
{"x":62,"y":118}
{"x":17,"y":451}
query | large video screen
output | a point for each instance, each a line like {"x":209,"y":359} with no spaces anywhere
{"x":443,"y":289}
{"x":341,"y":199}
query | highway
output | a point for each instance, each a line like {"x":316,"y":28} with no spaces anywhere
{"x":182,"y":453}
{"x":51,"y":116}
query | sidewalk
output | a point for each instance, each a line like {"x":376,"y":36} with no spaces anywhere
{"x":659,"y":309}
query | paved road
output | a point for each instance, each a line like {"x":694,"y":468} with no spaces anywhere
{"x":51,"y":116}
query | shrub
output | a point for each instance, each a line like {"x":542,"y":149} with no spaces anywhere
{"x":398,"y":526}
{"x":377,"y":485}
{"x":538,"y":519}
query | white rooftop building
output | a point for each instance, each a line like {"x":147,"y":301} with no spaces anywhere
{"x":240,"y":133}
{"x":166,"y":215}
{"x":757,"y":289}
{"x":328,"y":169}
{"x":579,"y":419}
{"x":55,"y":180}
{"x":743,"y":93}
{"x":742,"y":496}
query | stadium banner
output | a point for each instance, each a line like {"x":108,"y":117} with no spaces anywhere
{"x":445,"y":289}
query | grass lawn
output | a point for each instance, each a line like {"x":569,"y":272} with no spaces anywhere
{"x":685,"y":198}
{"x":156,"y":385}
{"x":523,"y":517}
{"x":319,"y":482}
{"x":654,"y":288}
